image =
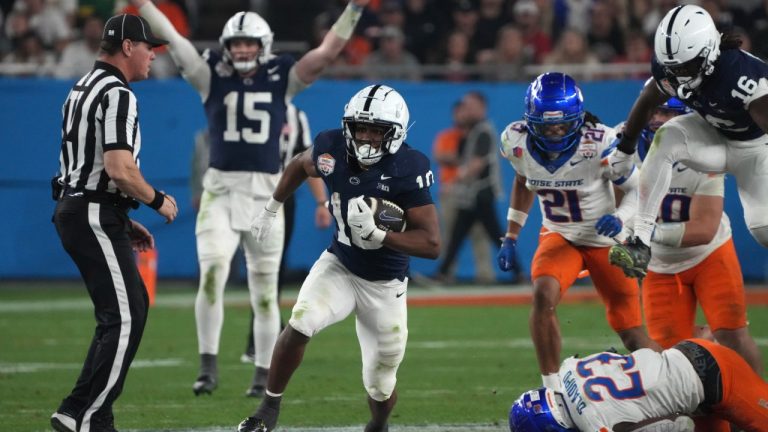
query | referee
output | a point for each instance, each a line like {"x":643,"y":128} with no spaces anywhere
{"x":98,"y":183}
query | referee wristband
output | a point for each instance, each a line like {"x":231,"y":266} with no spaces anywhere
{"x":157,"y":201}
{"x":517,"y":216}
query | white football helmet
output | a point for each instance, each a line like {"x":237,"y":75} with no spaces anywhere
{"x":376,"y":105}
{"x":251,"y":26}
{"x":686,"y":46}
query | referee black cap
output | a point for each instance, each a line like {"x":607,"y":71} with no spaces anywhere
{"x":133,"y":27}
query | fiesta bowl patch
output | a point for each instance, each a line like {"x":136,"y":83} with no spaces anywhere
{"x":326,"y":164}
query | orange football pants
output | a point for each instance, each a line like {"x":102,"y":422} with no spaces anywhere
{"x":669,"y":300}
{"x":558,"y":258}
{"x":745,"y":394}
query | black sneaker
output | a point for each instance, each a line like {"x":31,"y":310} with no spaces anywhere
{"x":63,"y":422}
{"x":103,"y":422}
{"x":259,"y":384}
{"x":265,"y":417}
{"x":633,"y":257}
{"x":205,"y":384}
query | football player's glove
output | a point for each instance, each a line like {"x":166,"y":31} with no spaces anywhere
{"x":620,"y":163}
{"x":506,"y":256}
{"x":365,"y":233}
{"x":262,"y":224}
{"x":609,"y":225}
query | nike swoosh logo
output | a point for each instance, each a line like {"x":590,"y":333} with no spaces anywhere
{"x":356,"y":226}
{"x":384,"y":177}
{"x":273,"y":70}
{"x":387,"y":218}
{"x":400,"y":294}
{"x":577,"y":162}
{"x":614,"y":163}
{"x":681,"y":169}
{"x":712,"y":104}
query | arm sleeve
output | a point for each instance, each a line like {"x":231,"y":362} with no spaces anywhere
{"x":192,"y":66}
{"x":120,"y":113}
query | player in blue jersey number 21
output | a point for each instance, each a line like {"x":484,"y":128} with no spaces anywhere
{"x":364,"y":269}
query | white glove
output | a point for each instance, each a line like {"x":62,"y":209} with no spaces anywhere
{"x":262,"y":223}
{"x":620,"y":164}
{"x":365,"y":234}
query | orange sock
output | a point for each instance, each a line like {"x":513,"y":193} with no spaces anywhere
{"x":147,"y":263}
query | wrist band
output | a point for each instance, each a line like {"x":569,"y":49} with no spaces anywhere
{"x":273,"y":205}
{"x":517,"y":216}
{"x":157,"y":201}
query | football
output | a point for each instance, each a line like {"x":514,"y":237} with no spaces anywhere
{"x":387,"y":215}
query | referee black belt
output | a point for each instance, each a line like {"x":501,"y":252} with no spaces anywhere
{"x":122,"y":202}
{"x":707,"y":369}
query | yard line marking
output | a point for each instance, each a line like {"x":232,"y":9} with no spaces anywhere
{"x":14,"y":368}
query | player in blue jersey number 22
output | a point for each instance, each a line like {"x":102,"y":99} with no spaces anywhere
{"x":364,"y":270}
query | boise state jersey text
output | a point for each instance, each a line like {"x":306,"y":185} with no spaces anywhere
{"x":724,"y":96}
{"x":403,"y":178}
{"x":247,"y":139}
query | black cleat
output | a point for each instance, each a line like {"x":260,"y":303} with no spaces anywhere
{"x":252,"y":424}
{"x":371,"y":427}
{"x":633,"y":257}
{"x":259,"y":384}
{"x":205,"y":384}
{"x":63,"y":422}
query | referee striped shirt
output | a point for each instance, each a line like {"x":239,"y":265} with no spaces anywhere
{"x":99,"y":115}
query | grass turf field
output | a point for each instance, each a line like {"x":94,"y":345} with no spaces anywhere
{"x":463,"y":367}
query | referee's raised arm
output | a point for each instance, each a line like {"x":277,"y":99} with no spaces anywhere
{"x":98,"y":183}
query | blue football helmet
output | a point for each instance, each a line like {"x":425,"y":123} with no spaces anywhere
{"x":554,"y":99}
{"x":540,"y":410}
{"x":672,"y":106}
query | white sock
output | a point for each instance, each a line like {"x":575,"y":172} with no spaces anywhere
{"x":266,"y":315}
{"x":209,"y":307}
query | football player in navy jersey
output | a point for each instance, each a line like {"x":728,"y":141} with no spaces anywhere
{"x":364,"y":269}
{"x":244,"y":90}
{"x":728,"y":90}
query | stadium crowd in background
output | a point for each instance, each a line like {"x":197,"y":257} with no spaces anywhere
{"x":404,"y":39}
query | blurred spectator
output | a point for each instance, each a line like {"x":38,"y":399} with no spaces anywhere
{"x":506,"y":62}
{"x":422,"y":26}
{"x":573,"y":14}
{"x":649,"y":18}
{"x":391,"y":14}
{"x":445,"y":152}
{"x":465,"y":19}
{"x":605,"y":37}
{"x":637,"y":50}
{"x":391,"y":60}
{"x":572,"y":49}
{"x":528,"y":19}
{"x":457,"y":58}
{"x":29,"y":57}
{"x":477,"y":184}
{"x":49,"y":22}
{"x":78,"y":57}
{"x":491,"y":18}
{"x":725,"y":16}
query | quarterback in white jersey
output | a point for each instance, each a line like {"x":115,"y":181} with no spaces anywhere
{"x":245,"y":91}
{"x":558,"y":152}
{"x":648,"y":391}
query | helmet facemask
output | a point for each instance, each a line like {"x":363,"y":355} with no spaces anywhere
{"x":381,"y":114}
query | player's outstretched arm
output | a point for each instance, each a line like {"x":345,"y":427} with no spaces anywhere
{"x":309,"y":67}
{"x":298,"y":169}
{"x":191,"y":65}
{"x":422,"y":238}
{"x":758,"y":109}
{"x":650,"y":98}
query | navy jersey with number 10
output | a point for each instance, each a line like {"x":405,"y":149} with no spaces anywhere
{"x":403,"y":178}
